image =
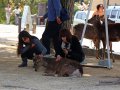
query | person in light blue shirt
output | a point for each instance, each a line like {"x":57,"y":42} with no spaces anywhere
{"x":53,"y":27}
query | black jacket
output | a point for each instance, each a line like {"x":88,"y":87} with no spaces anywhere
{"x":76,"y":52}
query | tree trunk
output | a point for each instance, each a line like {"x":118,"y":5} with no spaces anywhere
{"x":69,"y":5}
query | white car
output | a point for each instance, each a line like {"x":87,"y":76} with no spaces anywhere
{"x":80,"y":17}
{"x":113,"y":13}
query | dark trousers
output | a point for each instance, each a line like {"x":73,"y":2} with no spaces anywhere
{"x":29,"y":54}
{"x":52,"y":32}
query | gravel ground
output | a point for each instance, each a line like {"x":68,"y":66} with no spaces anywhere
{"x":14,"y":78}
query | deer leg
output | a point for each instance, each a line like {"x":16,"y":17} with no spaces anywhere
{"x":97,"y":52}
{"x":36,"y":60}
{"x":111,"y":54}
{"x":104,"y":47}
{"x":97,"y":48}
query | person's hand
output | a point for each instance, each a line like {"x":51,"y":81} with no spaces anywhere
{"x":58,"y":20}
{"x":58,"y":58}
{"x":65,"y":51}
{"x":33,"y":45}
{"x":41,"y":19}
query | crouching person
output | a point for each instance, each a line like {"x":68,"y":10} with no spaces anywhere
{"x":28,"y":46}
{"x":71,"y":47}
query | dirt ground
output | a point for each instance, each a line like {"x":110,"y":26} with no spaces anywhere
{"x":14,"y":78}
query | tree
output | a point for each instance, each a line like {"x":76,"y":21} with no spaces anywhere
{"x":32,"y":3}
{"x":69,"y":5}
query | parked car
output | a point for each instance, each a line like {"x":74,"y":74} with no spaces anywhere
{"x":113,"y":13}
{"x":80,"y":17}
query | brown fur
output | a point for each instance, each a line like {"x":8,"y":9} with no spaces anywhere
{"x":113,"y":32}
{"x":100,"y":32}
{"x":91,"y":33}
{"x":65,"y":67}
{"x":37,"y":62}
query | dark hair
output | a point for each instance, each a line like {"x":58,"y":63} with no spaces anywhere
{"x":99,"y":5}
{"x":65,"y":33}
{"x":21,"y":35}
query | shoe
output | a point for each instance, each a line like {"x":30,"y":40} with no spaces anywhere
{"x":23,"y":65}
{"x":48,"y":56}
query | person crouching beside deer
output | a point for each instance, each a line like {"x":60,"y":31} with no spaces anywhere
{"x":71,"y":48}
{"x":28,"y":46}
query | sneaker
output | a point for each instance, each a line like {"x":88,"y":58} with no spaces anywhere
{"x":22,"y":65}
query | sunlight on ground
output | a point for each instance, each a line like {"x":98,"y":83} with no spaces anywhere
{"x":87,"y":75}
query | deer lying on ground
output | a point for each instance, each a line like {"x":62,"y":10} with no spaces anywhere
{"x":64,"y":67}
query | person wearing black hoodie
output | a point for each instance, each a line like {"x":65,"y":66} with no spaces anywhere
{"x":71,"y":47}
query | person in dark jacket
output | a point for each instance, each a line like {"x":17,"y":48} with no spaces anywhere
{"x":28,"y":46}
{"x":71,"y":47}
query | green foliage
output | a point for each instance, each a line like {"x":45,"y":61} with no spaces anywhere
{"x":44,"y":1}
{"x":2,"y":13}
{"x":76,"y":7}
{"x":86,"y":1}
{"x":32,"y":3}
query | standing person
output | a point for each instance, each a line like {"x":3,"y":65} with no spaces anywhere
{"x":8,"y":13}
{"x":53,"y":27}
{"x":71,"y":46}
{"x":28,"y":46}
{"x":16,"y":12}
{"x":99,"y":10}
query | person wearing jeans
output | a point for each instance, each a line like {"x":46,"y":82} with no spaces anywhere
{"x":28,"y":46}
